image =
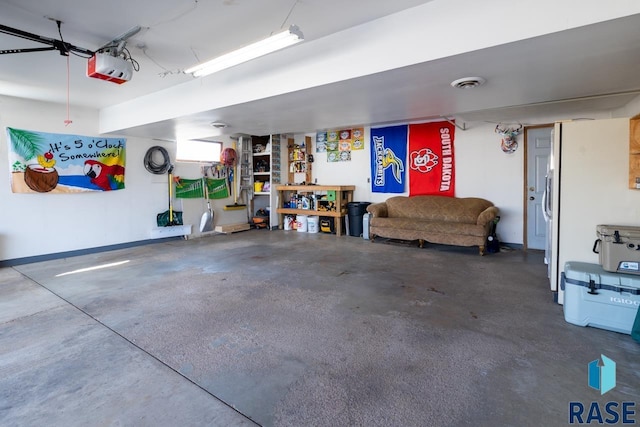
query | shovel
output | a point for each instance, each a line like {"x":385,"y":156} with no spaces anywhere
{"x":206,"y":222}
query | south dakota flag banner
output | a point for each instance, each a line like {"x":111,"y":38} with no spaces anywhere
{"x":388,"y":155}
{"x":431,"y":160}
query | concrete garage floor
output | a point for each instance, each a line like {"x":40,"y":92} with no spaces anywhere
{"x":295,"y":329}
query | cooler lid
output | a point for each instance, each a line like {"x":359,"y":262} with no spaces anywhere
{"x":627,"y":231}
{"x":582,"y":273}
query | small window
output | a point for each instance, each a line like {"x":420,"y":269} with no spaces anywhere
{"x":194,"y":150}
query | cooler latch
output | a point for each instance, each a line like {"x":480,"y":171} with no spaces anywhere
{"x":592,"y":287}
{"x":616,"y":237}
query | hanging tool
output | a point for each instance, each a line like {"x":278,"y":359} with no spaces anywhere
{"x":206,"y":222}
{"x":170,"y":174}
{"x":234,"y":181}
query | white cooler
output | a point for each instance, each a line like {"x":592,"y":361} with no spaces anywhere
{"x":598,"y":298}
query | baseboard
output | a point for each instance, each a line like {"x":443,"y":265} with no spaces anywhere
{"x":88,"y":251}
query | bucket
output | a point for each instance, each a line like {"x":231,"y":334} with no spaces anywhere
{"x":257,"y":186}
{"x":288,"y":222}
{"x":313,"y":224}
{"x":301,"y":221}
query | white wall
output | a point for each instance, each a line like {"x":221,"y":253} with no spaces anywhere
{"x":41,"y":224}
{"x":193,"y":209}
{"x":594,"y":187}
{"x":482,"y":170}
{"x":37,"y":224}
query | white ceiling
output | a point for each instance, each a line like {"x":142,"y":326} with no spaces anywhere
{"x":580,"y":69}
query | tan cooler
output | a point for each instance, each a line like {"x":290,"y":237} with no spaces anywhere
{"x":618,"y":248}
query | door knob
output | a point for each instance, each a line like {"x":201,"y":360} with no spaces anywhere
{"x":532,"y":198}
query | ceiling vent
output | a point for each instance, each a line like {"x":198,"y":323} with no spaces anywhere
{"x":468,"y":82}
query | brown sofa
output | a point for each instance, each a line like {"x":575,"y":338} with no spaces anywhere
{"x":436,"y":219}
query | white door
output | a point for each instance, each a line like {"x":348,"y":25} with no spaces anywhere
{"x":538,"y":151}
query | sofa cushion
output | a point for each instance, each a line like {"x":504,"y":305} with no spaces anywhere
{"x":437,"y":208}
{"x":440,"y":227}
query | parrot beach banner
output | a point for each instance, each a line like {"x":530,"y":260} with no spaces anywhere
{"x":388,"y":154}
{"x":431,"y":159}
{"x":58,"y":163}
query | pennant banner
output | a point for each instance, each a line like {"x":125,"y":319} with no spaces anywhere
{"x":388,"y":154}
{"x":193,"y":188}
{"x":59,"y":163}
{"x":217,"y":188}
{"x":189,"y":188}
{"x":431,"y":159}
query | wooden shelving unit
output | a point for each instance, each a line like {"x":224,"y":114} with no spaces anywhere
{"x":299,"y":164}
{"x":343,"y":195}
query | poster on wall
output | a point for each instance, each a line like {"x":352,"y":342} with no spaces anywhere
{"x":321,"y":142}
{"x":431,"y":159}
{"x":338,"y":144}
{"x":333,"y":155}
{"x":43,"y":162}
{"x":357,"y":139}
{"x":345,"y":140}
{"x":388,"y":154}
{"x":344,"y":145}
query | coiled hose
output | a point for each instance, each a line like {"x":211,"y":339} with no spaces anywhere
{"x":152,"y":166}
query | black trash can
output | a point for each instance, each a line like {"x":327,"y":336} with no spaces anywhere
{"x":356,"y":211}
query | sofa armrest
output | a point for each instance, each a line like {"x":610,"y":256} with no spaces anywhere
{"x":378,"y":210}
{"x":487,"y":215}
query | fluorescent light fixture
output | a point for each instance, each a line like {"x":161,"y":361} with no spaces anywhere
{"x":276,"y":42}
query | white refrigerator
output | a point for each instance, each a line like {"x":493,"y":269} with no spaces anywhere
{"x":589,"y":186}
